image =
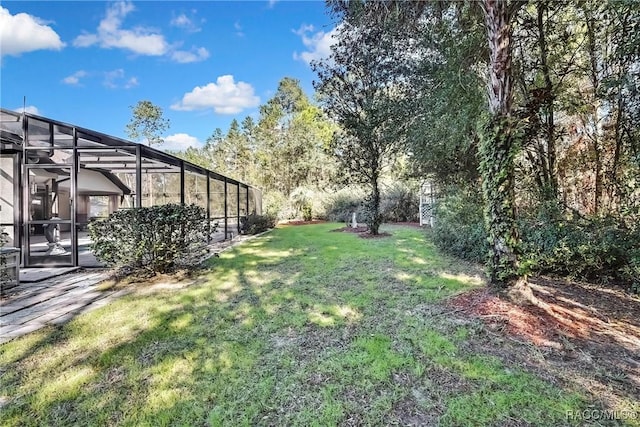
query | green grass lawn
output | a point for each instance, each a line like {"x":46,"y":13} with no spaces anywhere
{"x":301,"y":326}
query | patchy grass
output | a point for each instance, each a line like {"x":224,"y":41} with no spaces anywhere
{"x":298,"y":327}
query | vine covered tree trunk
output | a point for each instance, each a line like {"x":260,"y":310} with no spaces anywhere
{"x":498,"y":146}
{"x":497,"y":151}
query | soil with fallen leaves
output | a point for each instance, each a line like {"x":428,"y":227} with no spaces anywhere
{"x":582,"y":334}
{"x":361,"y":231}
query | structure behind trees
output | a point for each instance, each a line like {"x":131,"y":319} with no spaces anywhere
{"x":55,"y":178}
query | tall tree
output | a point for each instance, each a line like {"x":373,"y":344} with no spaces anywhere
{"x":499,"y":144}
{"x":147,"y":122}
{"x":449,"y":94}
{"x":361,"y":86}
{"x":292,"y":136}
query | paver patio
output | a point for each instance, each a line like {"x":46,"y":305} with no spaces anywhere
{"x":54,"y":301}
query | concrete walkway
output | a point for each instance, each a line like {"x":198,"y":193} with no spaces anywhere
{"x":31,"y":306}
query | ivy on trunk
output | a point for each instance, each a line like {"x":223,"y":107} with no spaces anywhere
{"x":498,"y":145}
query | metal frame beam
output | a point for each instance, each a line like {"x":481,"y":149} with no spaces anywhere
{"x":78,"y":141}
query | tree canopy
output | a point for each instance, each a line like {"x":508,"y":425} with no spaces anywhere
{"x":147,"y":122}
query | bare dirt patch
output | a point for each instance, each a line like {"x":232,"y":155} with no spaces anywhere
{"x":586,"y":335}
{"x":362,"y":231}
{"x":358,"y":229}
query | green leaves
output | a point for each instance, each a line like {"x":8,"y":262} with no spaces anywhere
{"x":499,"y":144}
{"x":156,"y":239}
{"x":147,"y":122}
{"x":255,"y":224}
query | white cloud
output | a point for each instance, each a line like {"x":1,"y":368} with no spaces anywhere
{"x":74,"y":79}
{"x":31,"y":109}
{"x":186,"y":23}
{"x":117,"y":79}
{"x":272,"y":3}
{"x":238,"y":29}
{"x":140,"y":40}
{"x":225,"y":97}
{"x":196,"y":54}
{"x":318,"y":44}
{"x":25,"y":33}
{"x":132,"y":82}
{"x":180,"y":142}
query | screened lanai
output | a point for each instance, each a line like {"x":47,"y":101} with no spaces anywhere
{"x":55,"y":178}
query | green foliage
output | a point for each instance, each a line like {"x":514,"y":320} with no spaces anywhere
{"x":274,"y":203}
{"x":367,"y":97}
{"x":254,"y":224}
{"x":450,"y":96}
{"x":307,"y":213}
{"x":301,"y":200}
{"x":340,"y":206}
{"x":156,"y":239}
{"x":499,"y":144}
{"x":400,"y":203}
{"x":147,"y":122}
{"x":602,"y":250}
{"x":459,"y":226}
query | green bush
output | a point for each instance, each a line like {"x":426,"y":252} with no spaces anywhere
{"x":275,"y":204}
{"x":552,"y":241}
{"x":603,"y":250}
{"x":459,"y":225}
{"x":307,"y":214}
{"x":400,"y":203}
{"x":156,"y":239}
{"x":254,"y":224}
{"x":340,"y":206}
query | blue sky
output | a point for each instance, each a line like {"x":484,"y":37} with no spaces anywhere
{"x":204,"y":62}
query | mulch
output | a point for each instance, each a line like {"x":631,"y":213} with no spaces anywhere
{"x":361,"y":231}
{"x":566,"y":310}
{"x":593,"y":328}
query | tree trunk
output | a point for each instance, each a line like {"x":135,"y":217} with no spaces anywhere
{"x":373,"y":209}
{"x":551,"y":187}
{"x":498,"y":147}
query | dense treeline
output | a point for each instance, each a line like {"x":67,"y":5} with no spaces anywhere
{"x":287,"y":154}
{"x":544,"y":174}
{"x":524,"y":113}
{"x":284,"y":153}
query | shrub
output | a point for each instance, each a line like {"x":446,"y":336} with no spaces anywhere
{"x":400,"y":203}
{"x":300,"y":201}
{"x":340,"y":206}
{"x":274,"y":204}
{"x":307,"y":213}
{"x":254,"y":224}
{"x":603,"y":250}
{"x":156,"y":239}
{"x":459,"y":226}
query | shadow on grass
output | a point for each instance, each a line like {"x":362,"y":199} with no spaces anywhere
{"x":298,"y":327}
